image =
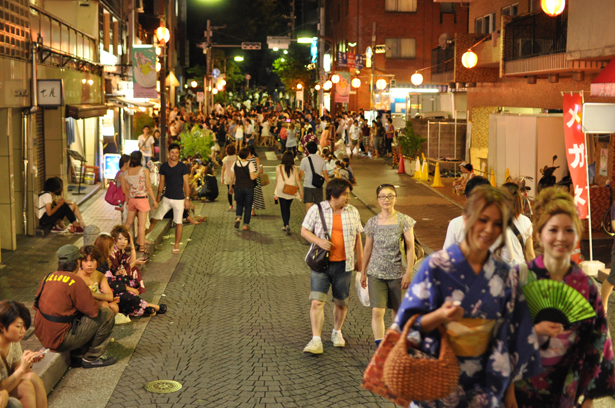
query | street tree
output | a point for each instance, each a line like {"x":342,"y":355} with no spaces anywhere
{"x":292,"y":68}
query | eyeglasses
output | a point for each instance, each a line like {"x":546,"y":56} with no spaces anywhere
{"x":389,"y":197}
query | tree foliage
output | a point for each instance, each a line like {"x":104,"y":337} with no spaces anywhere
{"x":292,"y":67}
{"x":196,"y":141}
{"x":410,"y":142}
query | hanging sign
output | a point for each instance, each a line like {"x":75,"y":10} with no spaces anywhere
{"x":144,"y":74}
{"x":342,"y":88}
{"x":341,"y":59}
{"x":575,"y":151}
{"x":350,"y":60}
{"x":358,"y":62}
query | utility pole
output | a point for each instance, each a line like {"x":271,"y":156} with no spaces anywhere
{"x":321,"y":53}
{"x":207,"y":82}
{"x":371,"y":77}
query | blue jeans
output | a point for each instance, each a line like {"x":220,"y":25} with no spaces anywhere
{"x":244,"y":198}
{"x":334,"y":277}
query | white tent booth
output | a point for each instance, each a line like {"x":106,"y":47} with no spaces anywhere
{"x":524,"y":144}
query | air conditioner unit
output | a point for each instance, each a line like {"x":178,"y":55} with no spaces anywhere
{"x":527,"y":47}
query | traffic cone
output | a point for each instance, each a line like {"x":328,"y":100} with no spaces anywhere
{"x":425,"y":172}
{"x":402,"y":165}
{"x":507,"y":175}
{"x":417,"y":168}
{"x":437,"y":182}
{"x":492,"y":179}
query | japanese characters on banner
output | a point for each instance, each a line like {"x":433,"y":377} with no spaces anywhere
{"x":575,"y":151}
{"x":144,"y":74}
{"x":348,"y":60}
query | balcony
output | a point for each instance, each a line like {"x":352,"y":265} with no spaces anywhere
{"x":536,"y":44}
{"x":443,"y":65}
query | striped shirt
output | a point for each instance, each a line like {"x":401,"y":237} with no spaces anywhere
{"x":351,"y":224}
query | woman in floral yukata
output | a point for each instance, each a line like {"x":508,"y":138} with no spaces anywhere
{"x":123,"y":261}
{"x":577,"y":360}
{"x":472,"y":294}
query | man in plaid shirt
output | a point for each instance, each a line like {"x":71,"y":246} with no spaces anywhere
{"x":344,"y":227}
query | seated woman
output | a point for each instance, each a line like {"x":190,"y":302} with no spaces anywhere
{"x":467,"y":173}
{"x":123,"y":258}
{"x":211,"y":192}
{"x":129,"y":301}
{"x":52,"y":208}
{"x":96,"y":281}
{"x":16,"y":374}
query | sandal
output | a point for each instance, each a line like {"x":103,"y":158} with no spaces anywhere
{"x":246,"y":227}
{"x":162,"y":310}
{"x":175,"y":251}
{"x":143,"y":248}
{"x":149,"y":312}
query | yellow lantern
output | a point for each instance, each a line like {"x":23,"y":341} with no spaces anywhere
{"x":193,"y":84}
{"x":469,"y":59}
{"x":356,"y":82}
{"x":317,"y":87}
{"x":416,"y":79}
{"x":381,"y":84}
{"x":163,"y":34}
{"x":553,"y":7}
{"x":328,"y":85}
{"x":335,"y":78}
{"x":299,"y":86}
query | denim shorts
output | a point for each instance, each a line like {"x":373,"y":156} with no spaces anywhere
{"x":334,"y":277}
{"x":384,"y":293}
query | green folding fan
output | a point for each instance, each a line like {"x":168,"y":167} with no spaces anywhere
{"x":557,"y":302}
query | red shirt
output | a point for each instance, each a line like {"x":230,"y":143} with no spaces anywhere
{"x":65,"y":293}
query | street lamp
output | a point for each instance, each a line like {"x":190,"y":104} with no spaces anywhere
{"x":381,"y":84}
{"x":469,"y":59}
{"x":163,"y":35}
{"x":304,"y":40}
{"x":553,"y":7}
{"x":356,"y":83}
{"x":238,"y":58}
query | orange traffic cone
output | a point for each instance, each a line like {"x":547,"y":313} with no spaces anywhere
{"x":492,"y":179}
{"x":402,"y":165}
{"x":437,"y":181}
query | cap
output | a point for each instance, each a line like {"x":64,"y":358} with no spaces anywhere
{"x":68,"y":253}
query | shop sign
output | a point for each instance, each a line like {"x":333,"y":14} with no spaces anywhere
{"x":341,"y":59}
{"x":358,"y":62}
{"x":576,"y":151}
{"x":144,"y":71}
{"x":380,"y":49}
{"x":50,"y":92}
{"x":350,"y":60}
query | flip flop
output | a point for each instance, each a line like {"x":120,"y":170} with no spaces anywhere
{"x":175,"y":251}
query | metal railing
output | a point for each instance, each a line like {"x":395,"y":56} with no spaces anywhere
{"x":535,"y":34}
{"x":60,"y":37}
{"x":443,"y":60}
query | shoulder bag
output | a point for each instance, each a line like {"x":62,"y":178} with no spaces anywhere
{"x":264,"y":179}
{"x":419,"y":252}
{"x":288,"y":188}
{"x":114,"y":194}
{"x":317,"y":179}
{"x":318,"y":258}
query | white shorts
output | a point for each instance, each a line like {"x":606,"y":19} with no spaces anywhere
{"x":178,"y":209}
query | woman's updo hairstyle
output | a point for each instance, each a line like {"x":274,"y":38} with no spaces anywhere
{"x":517,"y":200}
{"x":550,"y":202}
{"x":483,"y":197}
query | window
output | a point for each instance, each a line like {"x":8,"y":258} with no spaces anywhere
{"x":400,"y":47}
{"x":485,"y":24}
{"x":447,"y":8}
{"x":511,"y":10}
{"x":406,"y":6}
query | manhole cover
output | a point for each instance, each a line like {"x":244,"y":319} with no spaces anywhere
{"x":163,"y":386}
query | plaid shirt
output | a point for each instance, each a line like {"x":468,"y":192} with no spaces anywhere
{"x":351,"y":225}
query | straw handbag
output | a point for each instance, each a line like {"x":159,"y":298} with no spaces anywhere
{"x":417,"y":376}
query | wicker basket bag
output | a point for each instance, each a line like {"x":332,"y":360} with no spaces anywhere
{"x":419,"y":377}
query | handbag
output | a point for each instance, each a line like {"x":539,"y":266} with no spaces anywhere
{"x":318,"y":258}
{"x":114,"y":194}
{"x":317,"y":179}
{"x":419,"y":252}
{"x":288,"y":188}
{"x":264,"y":179}
{"x":416,"y":376}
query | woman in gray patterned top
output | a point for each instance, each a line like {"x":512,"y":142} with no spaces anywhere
{"x":382,"y":258}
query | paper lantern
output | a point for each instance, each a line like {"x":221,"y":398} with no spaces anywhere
{"x":416,"y":79}
{"x":222,"y":82}
{"x":163,"y":34}
{"x":469,"y":59}
{"x":553,"y":7}
{"x":214,"y":91}
{"x":193,"y":84}
{"x":158,"y":66}
{"x":299,"y":86}
{"x":356,"y":82}
{"x":328,"y":85}
{"x":335,"y":78}
{"x":317,"y":87}
{"x":381,"y":84}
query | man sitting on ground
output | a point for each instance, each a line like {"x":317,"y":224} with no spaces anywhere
{"x":67,"y":315}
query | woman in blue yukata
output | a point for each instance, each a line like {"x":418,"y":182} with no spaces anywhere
{"x":472,"y":294}
{"x":577,"y":360}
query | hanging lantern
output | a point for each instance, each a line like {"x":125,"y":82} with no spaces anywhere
{"x":553,"y":7}
{"x":158,"y":67}
{"x":214,"y":91}
{"x":328,"y":85}
{"x":222,"y":82}
{"x":356,"y":82}
{"x":381,"y":84}
{"x":416,"y":79}
{"x":335,"y":78}
{"x":193,"y":84}
{"x":469,"y":59}
{"x":317,"y":87}
{"x":163,"y":34}
{"x":220,"y":87}
{"x":299,"y":86}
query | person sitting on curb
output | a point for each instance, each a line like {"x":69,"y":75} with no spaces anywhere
{"x":52,"y":208}
{"x":124,"y":260}
{"x":68,"y":317}
{"x":96,"y":281}
{"x":16,"y":374}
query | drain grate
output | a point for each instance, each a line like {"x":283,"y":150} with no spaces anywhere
{"x":163,"y":386}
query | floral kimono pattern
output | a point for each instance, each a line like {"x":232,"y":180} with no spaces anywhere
{"x":129,"y":304}
{"x":120,"y":259}
{"x":511,"y":347}
{"x":578,"y":362}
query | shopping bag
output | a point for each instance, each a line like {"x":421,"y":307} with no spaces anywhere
{"x":362,"y":293}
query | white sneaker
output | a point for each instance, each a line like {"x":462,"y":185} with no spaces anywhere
{"x":314,"y":347}
{"x":337,"y":339}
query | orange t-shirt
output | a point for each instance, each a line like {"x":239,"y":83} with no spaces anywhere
{"x":337,"y":253}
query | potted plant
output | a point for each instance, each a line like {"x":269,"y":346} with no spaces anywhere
{"x":410,"y":143}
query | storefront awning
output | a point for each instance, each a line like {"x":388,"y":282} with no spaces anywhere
{"x":86,"y":111}
{"x":604,"y":83}
{"x":131,"y":102}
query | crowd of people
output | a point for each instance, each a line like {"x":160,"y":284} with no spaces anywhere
{"x":471,"y":289}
